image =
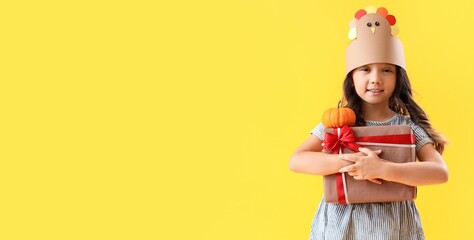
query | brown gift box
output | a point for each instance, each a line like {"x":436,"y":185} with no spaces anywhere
{"x":342,"y":188}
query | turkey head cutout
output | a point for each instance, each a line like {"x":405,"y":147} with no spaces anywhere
{"x":373,"y":42}
{"x":373,"y":25}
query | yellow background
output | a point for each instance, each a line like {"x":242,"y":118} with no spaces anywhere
{"x":176,"y":119}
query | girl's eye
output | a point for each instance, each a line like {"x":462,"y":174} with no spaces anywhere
{"x":364,"y":69}
{"x":387,"y":70}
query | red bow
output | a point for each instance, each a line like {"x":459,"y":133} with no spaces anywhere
{"x":344,"y":138}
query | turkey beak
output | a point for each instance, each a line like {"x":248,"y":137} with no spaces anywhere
{"x":373,"y":30}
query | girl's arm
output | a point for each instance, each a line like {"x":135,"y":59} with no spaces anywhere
{"x":430,"y":169}
{"x":309,"y":159}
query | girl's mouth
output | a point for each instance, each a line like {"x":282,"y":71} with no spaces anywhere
{"x":374,"y":90}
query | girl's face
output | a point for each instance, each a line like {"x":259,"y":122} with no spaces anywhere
{"x":375,"y":82}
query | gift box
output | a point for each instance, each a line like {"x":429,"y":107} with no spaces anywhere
{"x":397,"y":144}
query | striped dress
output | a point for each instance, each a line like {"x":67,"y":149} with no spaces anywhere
{"x":370,"y":221}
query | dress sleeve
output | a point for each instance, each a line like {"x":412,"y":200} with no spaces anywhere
{"x":318,"y":131}
{"x":422,"y":138}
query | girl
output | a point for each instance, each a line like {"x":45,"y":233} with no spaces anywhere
{"x":377,"y":88}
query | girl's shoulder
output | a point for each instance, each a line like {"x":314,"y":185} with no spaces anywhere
{"x":318,"y":131}
{"x":421,"y":136}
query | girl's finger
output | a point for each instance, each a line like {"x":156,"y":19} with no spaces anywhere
{"x":367,"y":151}
{"x":376,"y":181}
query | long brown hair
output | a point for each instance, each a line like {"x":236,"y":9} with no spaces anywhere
{"x":401,"y":102}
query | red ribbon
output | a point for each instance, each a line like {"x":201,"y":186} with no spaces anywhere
{"x":393,"y":139}
{"x":335,"y":143}
{"x":345,"y":139}
{"x":341,"y":194}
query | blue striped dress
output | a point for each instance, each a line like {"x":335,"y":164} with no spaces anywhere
{"x":370,"y":221}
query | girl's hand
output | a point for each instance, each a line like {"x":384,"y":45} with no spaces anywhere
{"x":366,"y":165}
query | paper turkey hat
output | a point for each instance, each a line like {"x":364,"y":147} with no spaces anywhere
{"x":372,"y":32}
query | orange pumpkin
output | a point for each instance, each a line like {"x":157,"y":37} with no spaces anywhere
{"x":338,"y":117}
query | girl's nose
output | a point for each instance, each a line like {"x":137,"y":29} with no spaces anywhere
{"x":375,"y":81}
{"x":375,"y":78}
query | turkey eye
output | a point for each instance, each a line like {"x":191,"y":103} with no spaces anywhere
{"x":377,"y":24}
{"x":369,"y":24}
